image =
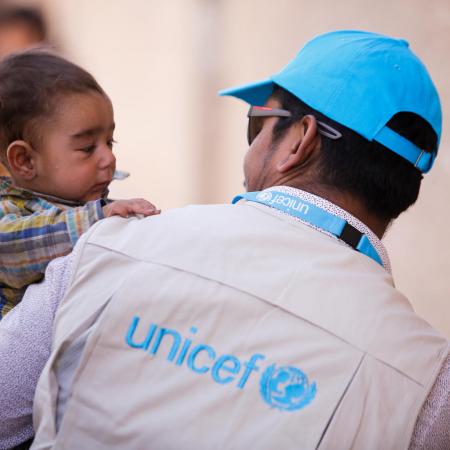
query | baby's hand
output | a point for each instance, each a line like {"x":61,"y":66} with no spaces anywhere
{"x":126,"y":208}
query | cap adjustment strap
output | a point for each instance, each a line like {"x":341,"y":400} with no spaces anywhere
{"x":406,"y":149}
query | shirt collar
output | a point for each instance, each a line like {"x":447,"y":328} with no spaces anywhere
{"x":338,"y":211}
{"x":7,"y":188}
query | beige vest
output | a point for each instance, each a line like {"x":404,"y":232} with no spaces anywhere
{"x":230,"y":327}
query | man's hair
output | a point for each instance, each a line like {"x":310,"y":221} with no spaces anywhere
{"x":31,"y":84}
{"x":30,"y":17}
{"x":384,"y":182}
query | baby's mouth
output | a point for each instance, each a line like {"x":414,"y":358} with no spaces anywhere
{"x":102,"y":185}
{"x":101,"y":188}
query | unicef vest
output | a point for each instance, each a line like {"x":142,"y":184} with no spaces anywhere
{"x":231,"y":327}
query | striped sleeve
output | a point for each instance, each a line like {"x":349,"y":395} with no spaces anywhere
{"x":28,"y":243}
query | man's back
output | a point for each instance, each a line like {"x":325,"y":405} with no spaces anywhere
{"x":245,"y":328}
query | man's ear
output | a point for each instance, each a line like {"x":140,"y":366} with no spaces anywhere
{"x":21,"y":160}
{"x":305,"y":140}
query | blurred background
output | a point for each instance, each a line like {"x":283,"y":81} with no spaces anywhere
{"x":162,"y":63}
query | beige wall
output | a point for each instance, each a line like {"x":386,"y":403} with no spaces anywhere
{"x":163,"y":61}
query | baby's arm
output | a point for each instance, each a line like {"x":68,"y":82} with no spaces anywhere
{"x":28,"y":243}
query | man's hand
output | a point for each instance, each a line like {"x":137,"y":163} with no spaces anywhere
{"x":132,"y":207}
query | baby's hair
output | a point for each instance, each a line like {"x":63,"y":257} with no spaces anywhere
{"x":31,"y":83}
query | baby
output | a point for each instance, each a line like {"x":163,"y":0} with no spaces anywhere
{"x":56,"y":139}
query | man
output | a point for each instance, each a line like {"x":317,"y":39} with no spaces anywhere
{"x":272,"y":322}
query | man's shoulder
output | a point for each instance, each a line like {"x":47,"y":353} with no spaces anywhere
{"x":180,"y":230}
{"x":171,"y":218}
{"x":192,"y":221}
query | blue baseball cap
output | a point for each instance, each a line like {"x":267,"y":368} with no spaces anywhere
{"x":360,"y":80}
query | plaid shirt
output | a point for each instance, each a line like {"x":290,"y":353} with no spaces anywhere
{"x":34,"y":229}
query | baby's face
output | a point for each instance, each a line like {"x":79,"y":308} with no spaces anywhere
{"x":74,"y":158}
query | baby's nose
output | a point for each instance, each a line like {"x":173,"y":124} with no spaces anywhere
{"x":107,"y":159}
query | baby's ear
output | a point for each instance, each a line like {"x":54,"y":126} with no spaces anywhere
{"x":21,"y":160}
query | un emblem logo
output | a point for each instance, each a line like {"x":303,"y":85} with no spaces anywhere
{"x":286,"y":388}
{"x":264,"y":196}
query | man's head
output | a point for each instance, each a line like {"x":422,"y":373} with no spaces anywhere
{"x":56,"y":127}
{"x":373,"y":91}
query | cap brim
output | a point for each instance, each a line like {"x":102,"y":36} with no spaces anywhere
{"x":255,"y":93}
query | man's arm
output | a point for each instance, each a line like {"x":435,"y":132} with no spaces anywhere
{"x":25,"y":343}
{"x":432,"y":430}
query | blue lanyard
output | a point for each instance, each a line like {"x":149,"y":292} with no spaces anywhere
{"x":316,"y":216}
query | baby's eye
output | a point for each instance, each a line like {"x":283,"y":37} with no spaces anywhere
{"x":111,"y":143}
{"x":88,"y":149}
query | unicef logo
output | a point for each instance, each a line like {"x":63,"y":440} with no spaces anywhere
{"x":264,"y":196}
{"x":286,"y":388}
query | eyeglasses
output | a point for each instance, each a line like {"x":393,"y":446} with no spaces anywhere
{"x":256,"y":113}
